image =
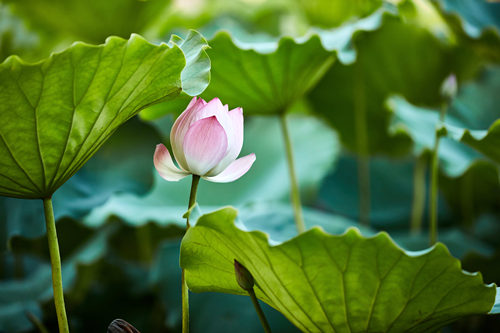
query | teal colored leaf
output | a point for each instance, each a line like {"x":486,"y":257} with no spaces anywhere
{"x":496,"y":306}
{"x":116,"y":168}
{"x":477,"y":15}
{"x":91,"y":91}
{"x":391,"y":192}
{"x":21,"y":295}
{"x":327,"y":283}
{"x":266,"y":181}
{"x":420,"y":125}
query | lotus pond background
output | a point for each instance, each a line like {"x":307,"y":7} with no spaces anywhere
{"x":359,"y":82}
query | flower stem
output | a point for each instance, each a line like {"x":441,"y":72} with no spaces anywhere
{"x":55,"y":261}
{"x":433,"y":205}
{"x":259,"y":311}
{"x":184,"y":288}
{"x":361,"y":130}
{"x":294,"y":187}
{"x":418,"y":205}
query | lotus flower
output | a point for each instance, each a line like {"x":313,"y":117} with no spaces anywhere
{"x":206,"y":140}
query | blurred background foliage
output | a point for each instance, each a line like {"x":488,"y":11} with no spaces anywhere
{"x":360,"y":122}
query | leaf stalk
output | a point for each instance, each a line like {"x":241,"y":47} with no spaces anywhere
{"x":294,"y":187}
{"x":55,"y":261}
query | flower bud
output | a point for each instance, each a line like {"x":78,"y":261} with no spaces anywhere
{"x":121,"y":326}
{"x":206,"y":140}
{"x":449,"y":87}
{"x":243,"y":276}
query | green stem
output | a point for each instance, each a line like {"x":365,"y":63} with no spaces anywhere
{"x":364,"y":189}
{"x":184,"y":288}
{"x":55,"y":261}
{"x":37,"y":323}
{"x":433,"y":205}
{"x":259,"y":311}
{"x":361,"y":129}
{"x":418,"y":205}
{"x":294,"y":187}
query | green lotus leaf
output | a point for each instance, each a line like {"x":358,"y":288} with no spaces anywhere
{"x":267,"y":75}
{"x":57,"y":113}
{"x":328,"y":13}
{"x":89,"y":20}
{"x":351,"y":97}
{"x":327,"y":283}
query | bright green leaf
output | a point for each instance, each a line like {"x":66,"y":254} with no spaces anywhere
{"x":326,"y":283}
{"x":57,"y":113}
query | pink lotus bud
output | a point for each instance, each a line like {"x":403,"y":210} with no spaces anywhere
{"x":206,"y":140}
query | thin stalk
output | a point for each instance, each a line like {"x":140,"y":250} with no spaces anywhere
{"x":418,"y":205}
{"x":363,"y":151}
{"x":184,"y":288}
{"x":467,"y":200}
{"x":259,"y":311}
{"x":433,"y":204}
{"x":37,"y":323}
{"x":55,"y":261}
{"x":364,"y":189}
{"x":294,"y":187}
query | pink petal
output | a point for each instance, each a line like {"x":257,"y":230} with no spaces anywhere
{"x":215,"y":108}
{"x":181,"y":126}
{"x":234,"y":171}
{"x":205,"y":144}
{"x":165,"y":166}
{"x":234,"y":138}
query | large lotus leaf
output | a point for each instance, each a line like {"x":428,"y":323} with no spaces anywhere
{"x":326,"y":283}
{"x":420,"y":124}
{"x":214,"y":312}
{"x":117,"y":167}
{"x":265,"y":181}
{"x":19,"y":296}
{"x":89,"y":20}
{"x":351,"y":97}
{"x":58,"y":112}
